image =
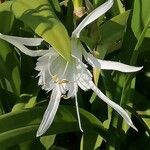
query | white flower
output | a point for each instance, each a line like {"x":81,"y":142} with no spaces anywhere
{"x":63,"y":78}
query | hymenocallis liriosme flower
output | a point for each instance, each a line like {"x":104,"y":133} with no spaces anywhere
{"x":63,"y":78}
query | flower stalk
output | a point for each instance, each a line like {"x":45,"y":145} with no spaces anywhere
{"x":79,"y":9}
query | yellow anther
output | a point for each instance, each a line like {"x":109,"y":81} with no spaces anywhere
{"x":63,"y":81}
{"x":57,"y":80}
{"x":64,"y":97}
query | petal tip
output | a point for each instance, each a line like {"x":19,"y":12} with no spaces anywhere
{"x":137,"y":69}
{"x":132,"y":126}
{"x":81,"y":130}
{"x":140,"y":68}
{"x":38,"y":134}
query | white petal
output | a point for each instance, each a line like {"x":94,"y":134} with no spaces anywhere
{"x":57,"y":66}
{"x":72,"y":89}
{"x":22,"y":48}
{"x":51,"y":85}
{"x":83,"y":85}
{"x":91,"y":60}
{"x":82,"y":80}
{"x":92,"y":16}
{"x":112,"y":65}
{"x":50,"y":112}
{"x":40,"y":82}
{"x":109,"y":65}
{"x":25,"y":41}
{"x":78,"y":114}
{"x":76,"y":48}
{"x":48,"y":82}
{"x":119,"y":109}
{"x":45,"y":60}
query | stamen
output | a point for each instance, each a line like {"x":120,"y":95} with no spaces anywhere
{"x":55,"y":78}
{"x":64,"y":97}
{"x":63,"y":81}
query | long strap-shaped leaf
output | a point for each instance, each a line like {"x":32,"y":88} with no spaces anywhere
{"x":28,"y":120}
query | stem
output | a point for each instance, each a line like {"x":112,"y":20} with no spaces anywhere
{"x":79,"y":10}
{"x":77,"y":3}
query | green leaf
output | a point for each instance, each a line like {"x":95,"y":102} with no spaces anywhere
{"x":21,"y":126}
{"x":10,"y":74}
{"x":141,"y":17}
{"x":142,"y":116}
{"x":8,"y":99}
{"x":90,"y":141}
{"x":44,"y":23}
{"x":28,"y":76}
{"x":148,"y":33}
{"x":118,"y":7}
{"x":48,"y":141}
{"x":6,"y":24}
{"x":57,"y":148}
{"x":112,"y":31}
{"x":97,"y":3}
{"x":56,"y":5}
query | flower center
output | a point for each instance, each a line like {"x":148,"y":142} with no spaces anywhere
{"x":59,"y":81}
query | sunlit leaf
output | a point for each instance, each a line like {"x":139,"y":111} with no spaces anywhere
{"x":141,"y":16}
{"x":48,"y":141}
{"x":44,"y":23}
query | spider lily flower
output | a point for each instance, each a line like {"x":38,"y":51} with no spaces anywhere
{"x":63,"y":78}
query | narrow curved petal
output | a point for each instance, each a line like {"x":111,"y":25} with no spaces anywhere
{"x":91,"y":60}
{"x":112,"y":65}
{"x":82,"y":86}
{"x":115,"y":106}
{"x":109,"y":65}
{"x":99,"y":11}
{"x":24,"y":41}
{"x":50,"y":112}
{"x":22,"y":48}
